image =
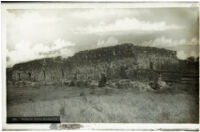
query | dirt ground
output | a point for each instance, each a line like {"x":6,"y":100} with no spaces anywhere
{"x":176,"y":104}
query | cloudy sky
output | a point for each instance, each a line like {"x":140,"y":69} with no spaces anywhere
{"x":34,"y":34}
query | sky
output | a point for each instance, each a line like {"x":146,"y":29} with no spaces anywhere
{"x":39,"y":33}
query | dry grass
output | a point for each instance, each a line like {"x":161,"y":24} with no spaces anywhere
{"x":125,"y":106}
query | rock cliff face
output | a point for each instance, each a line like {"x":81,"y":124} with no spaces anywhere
{"x":121,"y":61}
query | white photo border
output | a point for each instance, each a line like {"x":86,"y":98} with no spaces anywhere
{"x":82,"y":126}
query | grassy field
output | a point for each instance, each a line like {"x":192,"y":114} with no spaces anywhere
{"x":137,"y":104}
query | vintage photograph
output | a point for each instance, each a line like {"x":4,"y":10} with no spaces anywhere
{"x":102,"y":65}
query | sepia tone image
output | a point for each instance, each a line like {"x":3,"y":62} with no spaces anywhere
{"x":103,"y":65}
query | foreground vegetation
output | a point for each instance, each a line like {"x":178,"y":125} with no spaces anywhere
{"x":126,"y":102}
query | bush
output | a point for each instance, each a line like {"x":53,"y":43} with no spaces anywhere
{"x":93,"y":84}
{"x":82,"y":94}
{"x":108,"y":91}
{"x":154,"y":85}
{"x":92,"y":92}
{"x":72,"y":83}
{"x":103,"y":80}
{"x":82,"y":83}
{"x":125,"y":83}
{"x":67,"y":83}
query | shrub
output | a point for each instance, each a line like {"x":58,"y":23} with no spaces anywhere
{"x":72,"y":83}
{"x":93,"y":84}
{"x":123,"y":84}
{"x":82,"y":94}
{"x":108,"y":91}
{"x":82,"y":83}
{"x":92,"y":92}
{"x":67,"y":83}
{"x":103,"y":80}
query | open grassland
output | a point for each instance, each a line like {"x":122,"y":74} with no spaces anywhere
{"x":135,"y":104}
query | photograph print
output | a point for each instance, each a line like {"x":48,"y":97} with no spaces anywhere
{"x":102,"y":65}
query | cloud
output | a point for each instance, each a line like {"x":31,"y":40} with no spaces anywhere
{"x":194,"y":54}
{"x":33,"y":33}
{"x":109,"y":42}
{"x":30,"y":26}
{"x":128,"y":24}
{"x":179,"y":45}
{"x":167,"y":42}
{"x":182,"y":55}
{"x":26,"y":51}
{"x":106,"y":13}
{"x":164,"y":42}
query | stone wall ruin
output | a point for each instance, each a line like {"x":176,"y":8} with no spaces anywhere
{"x":125,"y":61}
